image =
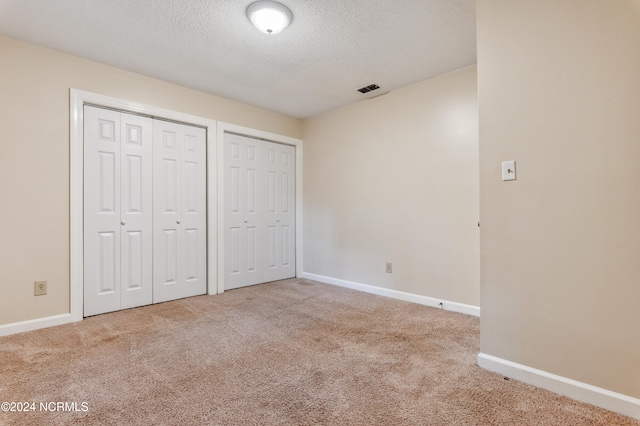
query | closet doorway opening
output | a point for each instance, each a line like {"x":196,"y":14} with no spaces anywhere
{"x":124,"y":244}
{"x":260,"y":228}
{"x":144,"y":210}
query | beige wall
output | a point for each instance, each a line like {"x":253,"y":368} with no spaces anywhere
{"x":559,"y":92}
{"x":396,"y":179}
{"x":34,"y":160}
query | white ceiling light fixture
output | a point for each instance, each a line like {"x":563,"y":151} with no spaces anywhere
{"x":270,"y":17}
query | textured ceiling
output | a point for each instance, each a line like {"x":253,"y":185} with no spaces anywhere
{"x":332,"y":47}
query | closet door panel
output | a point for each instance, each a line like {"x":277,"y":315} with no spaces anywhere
{"x":179,"y":211}
{"x":242,"y":220}
{"x":166,"y":178}
{"x":136,"y":215}
{"x":101,"y":211}
{"x":279,"y":219}
{"x":192,"y":212}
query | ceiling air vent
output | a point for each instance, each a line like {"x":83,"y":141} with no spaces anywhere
{"x":368,"y":88}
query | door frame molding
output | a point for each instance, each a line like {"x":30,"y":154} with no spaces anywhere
{"x":78,"y":99}
{"x":271,"y":137}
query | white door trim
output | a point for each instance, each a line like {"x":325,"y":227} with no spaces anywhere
{"x":76,"y":204}
{"x":246,"y":131}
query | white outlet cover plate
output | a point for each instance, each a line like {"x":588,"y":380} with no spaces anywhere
{"x":509,"y":170}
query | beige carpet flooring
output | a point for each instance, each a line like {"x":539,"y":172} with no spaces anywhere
{"x":293,"y":352}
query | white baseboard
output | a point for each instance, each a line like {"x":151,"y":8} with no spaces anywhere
{"x":34,"y":324}
{"x":579,"y":391}
{"x":400,"y":295}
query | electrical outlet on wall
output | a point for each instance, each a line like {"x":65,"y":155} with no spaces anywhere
{"x":40,"y":288}
{"x":389,"y":267}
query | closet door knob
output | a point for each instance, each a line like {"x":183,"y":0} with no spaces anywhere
{"x":277,"y":220}
{"x":245,"y":221}
{"x":123,"y":222}
{"x":178,"y":222}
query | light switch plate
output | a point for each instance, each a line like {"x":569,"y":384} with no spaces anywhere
{"x":509,"y":170}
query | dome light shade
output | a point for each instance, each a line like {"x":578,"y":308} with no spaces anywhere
{"x":270,"y":17}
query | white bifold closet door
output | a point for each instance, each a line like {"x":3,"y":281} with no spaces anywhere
{"x":144,"y":211}
{"x":259,"y":211}
{"x":117,"y":211}
{"x":180,"y":203}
